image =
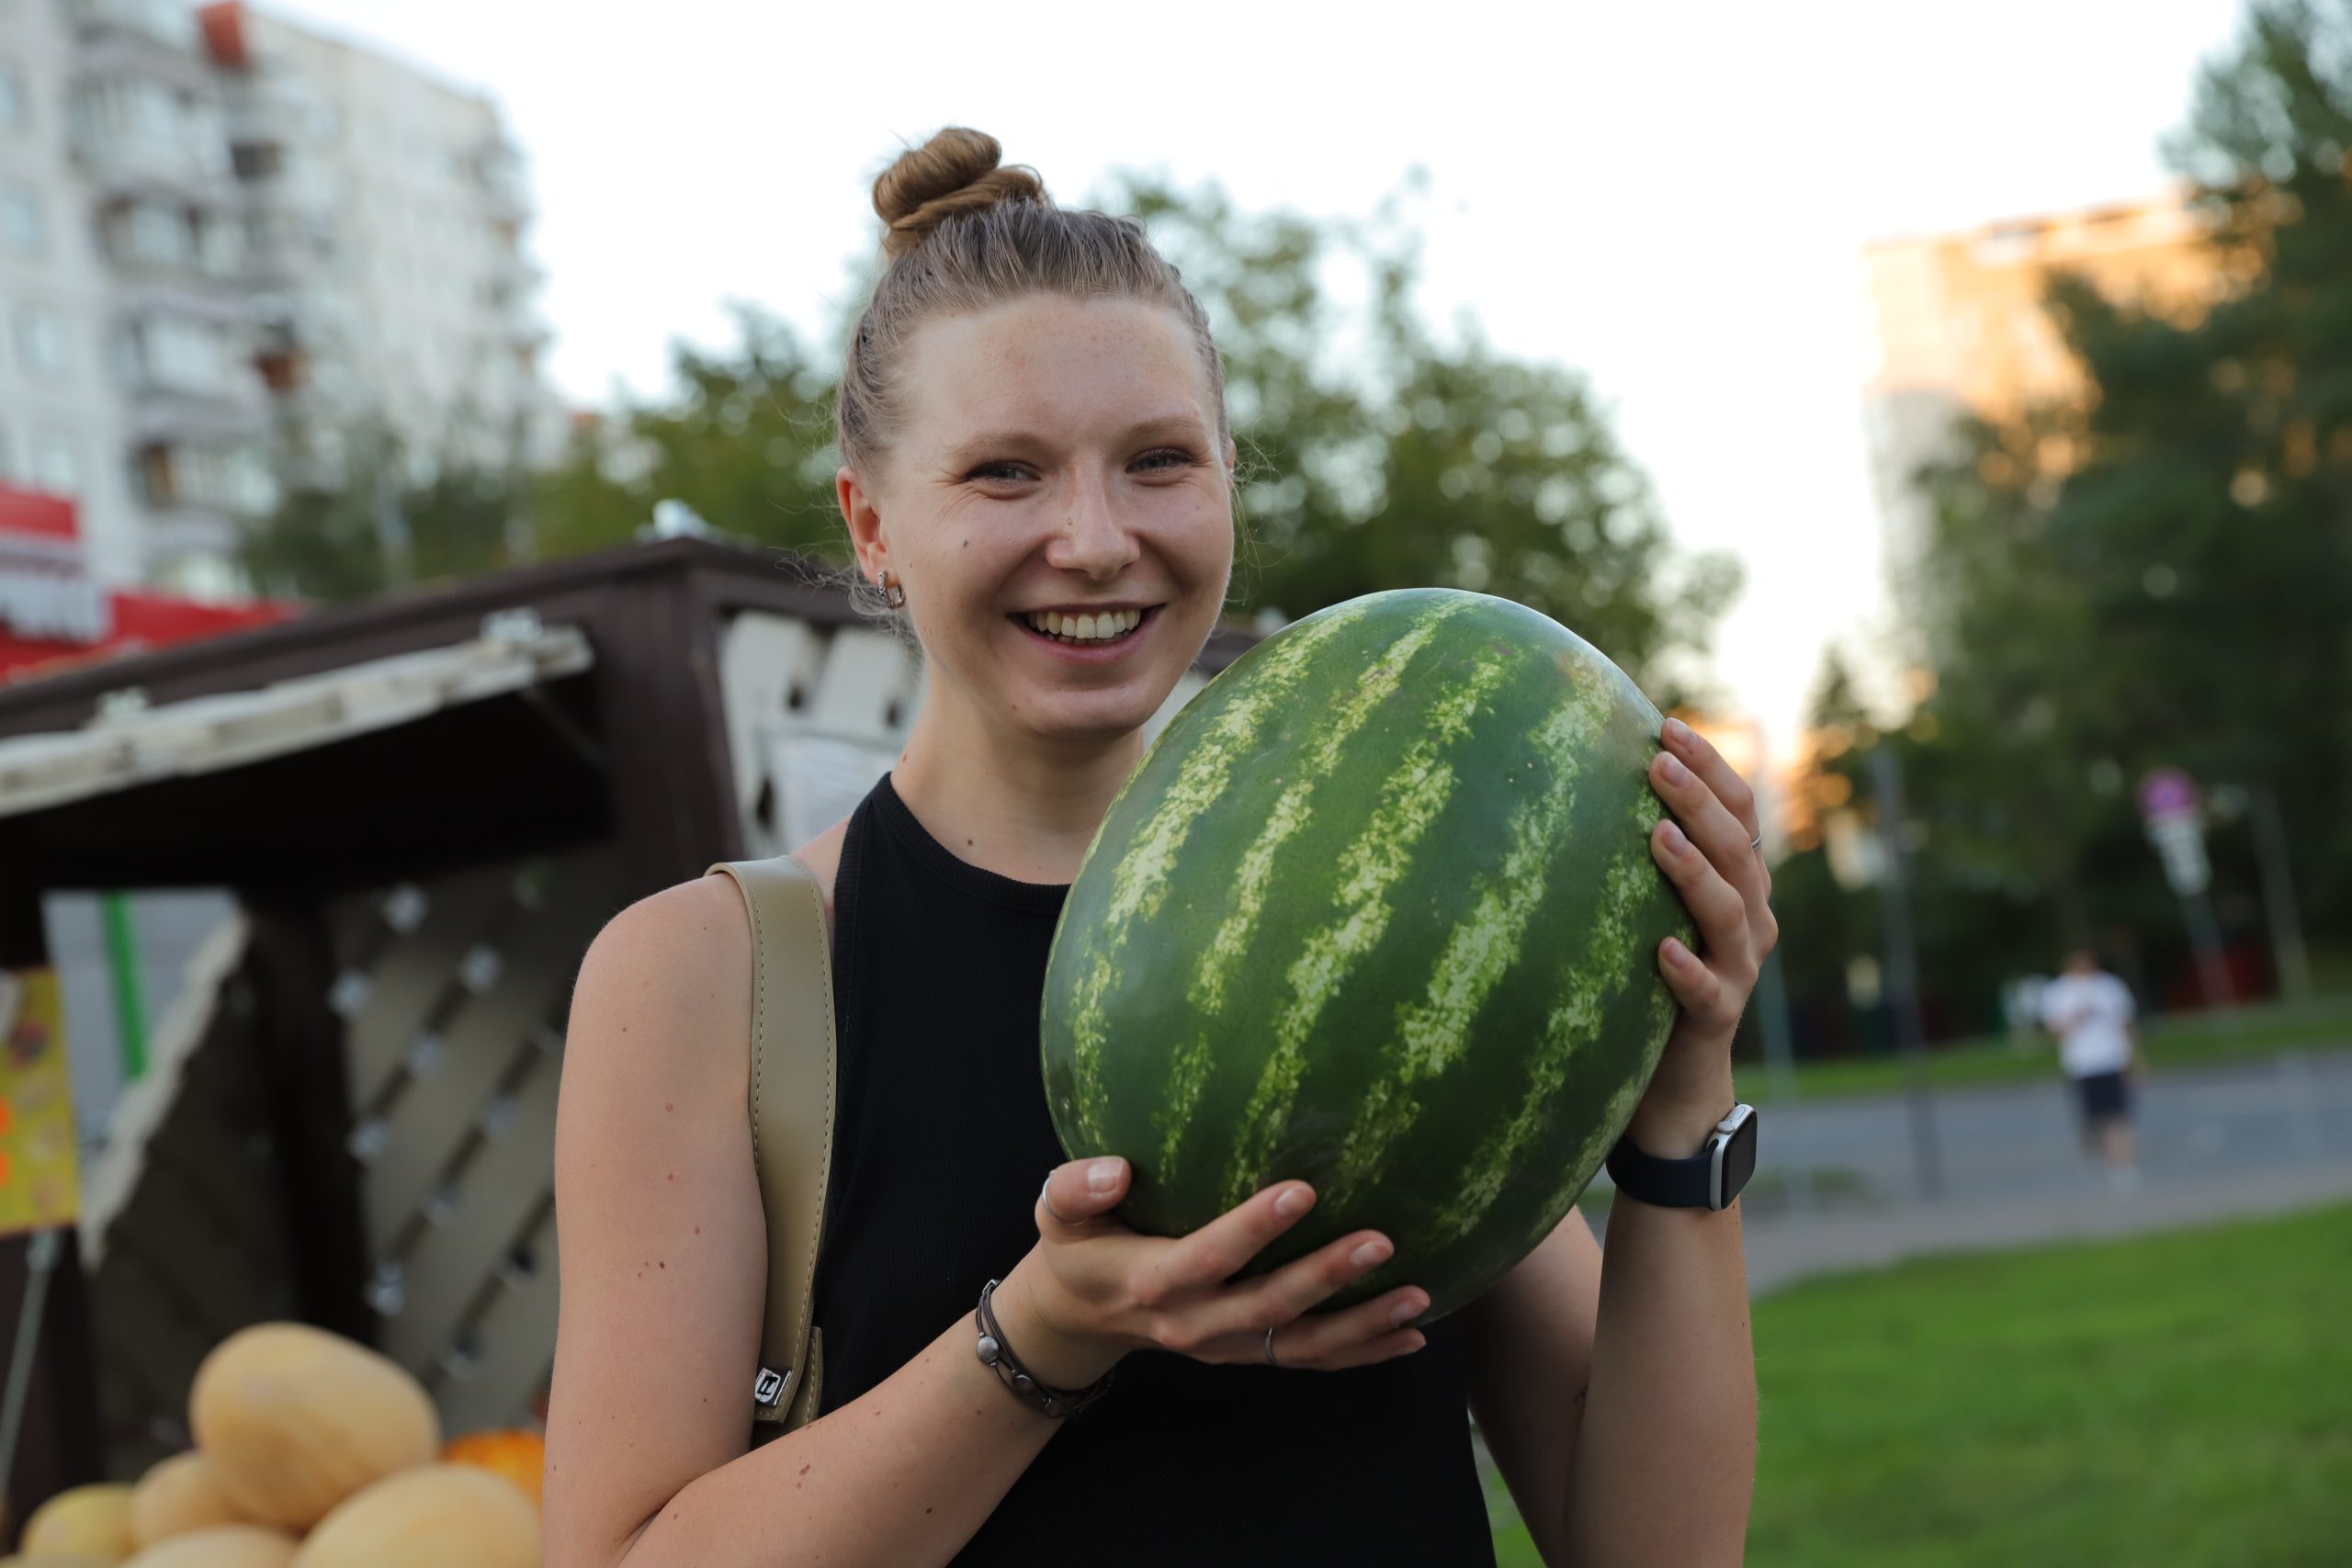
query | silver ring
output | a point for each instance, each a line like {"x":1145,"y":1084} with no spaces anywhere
{"x":1044,"y":1196}
{"x":1269,"y":1349}
{"x":1757,"y":842}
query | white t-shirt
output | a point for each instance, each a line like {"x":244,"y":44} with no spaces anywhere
{"x":2088,"y":1013}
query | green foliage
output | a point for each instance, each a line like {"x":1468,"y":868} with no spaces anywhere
{"x":745,"y":439}
{"x":377,"y":524}
{"x":1409,"y":464}
{"x":1404,"y":464}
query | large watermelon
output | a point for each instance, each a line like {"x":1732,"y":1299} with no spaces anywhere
{"x":1377,"y":911}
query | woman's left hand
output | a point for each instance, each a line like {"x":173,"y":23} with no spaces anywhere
{"x":1706,"y":846}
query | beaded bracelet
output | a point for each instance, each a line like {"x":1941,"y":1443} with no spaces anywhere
{"x":995,"y":1353}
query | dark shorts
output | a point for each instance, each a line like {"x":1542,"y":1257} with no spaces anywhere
{"x":2102,"y":1095}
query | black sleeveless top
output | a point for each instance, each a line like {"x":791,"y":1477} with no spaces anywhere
{"x":942,"y":1137}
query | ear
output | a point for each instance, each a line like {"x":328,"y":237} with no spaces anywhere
{"x":865,"y":523}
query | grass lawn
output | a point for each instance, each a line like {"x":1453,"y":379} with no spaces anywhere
{"x":2182,"y":1401}
{"x":2189,"y":1040}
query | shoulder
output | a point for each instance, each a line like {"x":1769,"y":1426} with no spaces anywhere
{"x":683,"y":956}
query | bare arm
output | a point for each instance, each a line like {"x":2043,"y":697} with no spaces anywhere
{"x":1622,"y":1391}
{"x":1670,"y":1471}
{"x":1528,"y":1348}
{"x":663,"y":1275}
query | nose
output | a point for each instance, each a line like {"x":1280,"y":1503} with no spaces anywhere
{"x":1094,"y":539}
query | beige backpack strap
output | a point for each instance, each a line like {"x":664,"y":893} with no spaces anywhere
{"x":792,"y":1124}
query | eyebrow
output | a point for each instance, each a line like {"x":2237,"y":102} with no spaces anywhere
{"x":998,"y":441}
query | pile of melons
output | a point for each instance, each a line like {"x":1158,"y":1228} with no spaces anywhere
{"x":310,"y":1452}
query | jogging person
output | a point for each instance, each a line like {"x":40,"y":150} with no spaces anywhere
{"x":1032,"y":424}
{"x":2091,"y":1013}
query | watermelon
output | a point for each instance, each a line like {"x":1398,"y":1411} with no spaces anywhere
{"x":1375,"y":911}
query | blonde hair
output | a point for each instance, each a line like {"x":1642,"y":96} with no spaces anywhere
{"x":964,"y":231}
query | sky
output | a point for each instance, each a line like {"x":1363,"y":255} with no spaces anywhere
{"x":1671,"y":198}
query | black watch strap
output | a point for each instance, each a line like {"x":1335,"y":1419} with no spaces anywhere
{"x":1707,"y":1180}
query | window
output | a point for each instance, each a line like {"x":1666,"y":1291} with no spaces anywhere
{"x":40,"y":342}
{"x":181,"y":353}
{"x":155,"y":234}
{"x":256,"y":160}
{"x":54,"y":467}
{"x":21,"y":224}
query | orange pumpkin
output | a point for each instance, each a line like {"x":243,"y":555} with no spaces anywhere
{"x":520,"y":1456}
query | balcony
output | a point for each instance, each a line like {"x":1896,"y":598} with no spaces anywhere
{"x":179,"y":477}
{"x":175,"y":257}
{"x":146,"y":38}
{"x":187,"y":381}
{"x":136,"y":141}
{"x":498,"y":171}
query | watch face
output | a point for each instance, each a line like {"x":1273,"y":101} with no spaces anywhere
{"x":1739,"y":1157}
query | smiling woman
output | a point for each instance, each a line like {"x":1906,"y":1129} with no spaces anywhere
{"x":1037,"y":473}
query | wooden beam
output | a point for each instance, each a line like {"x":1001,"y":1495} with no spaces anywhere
{"x":300,"y":1039}
{"x":663,"y":720}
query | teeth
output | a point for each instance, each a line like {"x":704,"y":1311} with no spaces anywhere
{"x":1086,"y":628}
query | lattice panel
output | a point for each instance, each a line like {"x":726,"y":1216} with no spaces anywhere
{"x":454,"y":996}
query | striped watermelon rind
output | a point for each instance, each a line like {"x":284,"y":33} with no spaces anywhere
{"x":1377,"y":911}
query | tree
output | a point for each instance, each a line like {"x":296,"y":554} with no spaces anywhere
{"x":1410,"y":464}
{"x":376,"y":519}
{"x":745,"y":439}
{"x":1404,"y":464}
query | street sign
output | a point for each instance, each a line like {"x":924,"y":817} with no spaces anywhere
{"x":2176,"y":828}
{"x":2167,"y":793}
{"x":2180,"y":843}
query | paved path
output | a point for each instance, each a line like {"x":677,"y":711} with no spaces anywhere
{"x":1786,"y":1249}
{"x":2258,"y":1136}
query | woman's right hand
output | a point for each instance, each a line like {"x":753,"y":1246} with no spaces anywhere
{"x":1092,"y":1289}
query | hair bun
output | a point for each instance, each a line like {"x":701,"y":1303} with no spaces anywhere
{"x":957,"y":171}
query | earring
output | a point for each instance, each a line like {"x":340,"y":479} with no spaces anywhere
{"x":893,"y":593}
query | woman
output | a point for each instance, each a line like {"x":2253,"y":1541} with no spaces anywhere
{"x":1033,"y":426}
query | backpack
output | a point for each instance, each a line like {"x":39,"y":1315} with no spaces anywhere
{"x":792,"y":1126}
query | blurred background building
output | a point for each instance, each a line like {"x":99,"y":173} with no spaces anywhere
{"x":226,"y":240}
{"x":1962,"y":328}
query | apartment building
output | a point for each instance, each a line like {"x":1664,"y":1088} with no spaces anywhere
{"x":225,"y":241}
{"x":385,"y":224}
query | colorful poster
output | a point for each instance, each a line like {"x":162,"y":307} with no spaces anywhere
{"x":38,"y":1187}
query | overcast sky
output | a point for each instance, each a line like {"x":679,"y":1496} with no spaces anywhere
{"x":1672,"y":198}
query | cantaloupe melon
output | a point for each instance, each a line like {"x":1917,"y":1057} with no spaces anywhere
{"x":437,"y":1515}
{"x":176,"y":1495}
{"x":86,"y":1521}
{"x":221,"y":1546}
{"x":294,"y":1419}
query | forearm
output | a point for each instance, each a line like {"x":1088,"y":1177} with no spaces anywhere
{"x":902,"y":1476}
{"x":1666,"y":1462}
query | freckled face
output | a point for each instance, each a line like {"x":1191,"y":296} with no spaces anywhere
{"x":1058,"y":455}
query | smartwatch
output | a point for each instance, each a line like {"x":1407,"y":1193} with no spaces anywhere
{"x":1707,"y":1180}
